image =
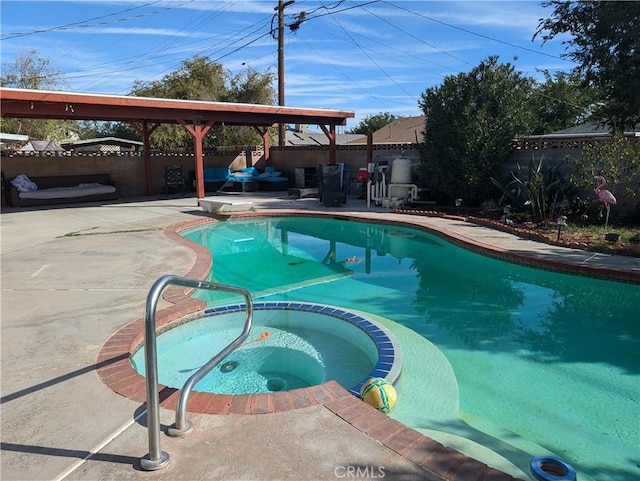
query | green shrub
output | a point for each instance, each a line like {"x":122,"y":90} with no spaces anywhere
{"x":538,"y":190}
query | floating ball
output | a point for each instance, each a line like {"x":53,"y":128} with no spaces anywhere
{"x":379,"y":393}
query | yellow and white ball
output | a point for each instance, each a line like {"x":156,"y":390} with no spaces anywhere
{"x":379,"y":393}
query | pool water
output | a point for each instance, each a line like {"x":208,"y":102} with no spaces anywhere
{"x":287,"y":349}
{"x":551,"y":357}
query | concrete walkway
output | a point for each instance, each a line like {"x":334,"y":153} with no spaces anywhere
{"x":71,"y":276}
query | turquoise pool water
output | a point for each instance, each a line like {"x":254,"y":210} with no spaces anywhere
{"x":291,"y":346}
{"x":553,"y":358}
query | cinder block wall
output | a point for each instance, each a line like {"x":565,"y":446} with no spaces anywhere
{"x":126,"y":169}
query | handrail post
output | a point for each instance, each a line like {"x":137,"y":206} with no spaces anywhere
{"x":156,"y":459}
{"x":182,"y":426}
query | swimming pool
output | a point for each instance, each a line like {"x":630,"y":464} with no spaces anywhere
{"x":295,"y":345}
{"x":548,"y":356}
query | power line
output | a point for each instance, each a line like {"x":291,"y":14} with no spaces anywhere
{"x":475,"y":33}
{"x":84,"y":24}
{"x":372,"y":60}
{"x":416,"y":38}
{"x":368,"y":94}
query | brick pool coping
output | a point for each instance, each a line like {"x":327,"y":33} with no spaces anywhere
{"x":115,"y":370}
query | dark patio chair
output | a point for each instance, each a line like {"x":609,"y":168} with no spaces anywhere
{"x":333,"y":193}
{"x":173,"y":178}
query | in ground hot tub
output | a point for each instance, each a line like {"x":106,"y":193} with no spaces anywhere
{"x":291,"y":345}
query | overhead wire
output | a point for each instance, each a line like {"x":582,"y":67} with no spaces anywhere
{"x":85,"y":24}
{"x":309,"y":16}
{"x":144,"y":60}
{"x":373,"y":60}
{"x":341,"y":72}
{"x":474,"y":33}
{"x":234,"y":44}
{"x":416,"y":38}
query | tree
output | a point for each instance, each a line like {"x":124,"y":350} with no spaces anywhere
{"x":200,"y":79}
{"x":371,"y":123}
{"x":605,"y":42}
{"x":616,"y":158}
{"x":30,"y":71}
{"x":471,"y":120}
{"x":249,"y":87}
{"x":560,"y":102}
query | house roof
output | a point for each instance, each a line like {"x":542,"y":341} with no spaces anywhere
{"x":41,"y":146}
{"x":103,"y":140}
{"x":13,"y":138}
{"x":103,"y":144}
{"x":404,"y":130}
{"x":585,"y":130}
{"x":293,"y":138}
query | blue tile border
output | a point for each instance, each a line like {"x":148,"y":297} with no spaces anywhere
{"x":389,"y":363}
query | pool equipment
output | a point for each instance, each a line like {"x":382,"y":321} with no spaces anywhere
{"x":550,"y":468}
{"x":398,"y":191}
{"x":228,"y":366}
{"x":401,"y":171}
{"x":378,"y":181}
{"x":379,"y":393}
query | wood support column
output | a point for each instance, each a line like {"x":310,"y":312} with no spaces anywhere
{"x":331,"y":134}
{"x":265,"y":144}
{"x":197,"y":131}
{"x":145,"y":131}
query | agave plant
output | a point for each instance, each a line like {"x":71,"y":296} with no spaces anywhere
{"x":538,"y":189}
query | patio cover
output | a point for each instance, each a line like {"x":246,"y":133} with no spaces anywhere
{"x":145,"y":114}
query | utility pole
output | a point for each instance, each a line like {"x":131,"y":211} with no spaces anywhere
{"x":280,"y":9}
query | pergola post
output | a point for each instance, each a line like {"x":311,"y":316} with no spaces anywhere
{"x":197,"y":131}
{"x":265,"y":143}
{"x":145,"y":131}
{"x":331,"y":134}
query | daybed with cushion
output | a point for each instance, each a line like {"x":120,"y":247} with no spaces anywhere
{"x":61,"y":189}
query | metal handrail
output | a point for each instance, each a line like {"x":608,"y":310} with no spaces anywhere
{"x":156,"y":458}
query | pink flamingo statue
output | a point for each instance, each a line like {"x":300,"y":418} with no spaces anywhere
{"x":605,"y":196}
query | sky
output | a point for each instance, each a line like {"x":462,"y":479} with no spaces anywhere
{"x":367,"y":57}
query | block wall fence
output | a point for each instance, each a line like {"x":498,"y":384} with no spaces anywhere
{"x":127,"y":168}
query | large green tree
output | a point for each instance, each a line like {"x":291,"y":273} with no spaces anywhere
{"x":605,"y":43}
{"x":371,"y":123}
{"x":471,"y":120}
{"x":30,"y":71}
{"x":560,"y":102}
{"x":200,"y":79}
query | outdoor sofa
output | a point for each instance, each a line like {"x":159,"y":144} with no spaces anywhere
{"x":248,"y":179}
{"x":27,"y":191}
{"x":271,"y":179}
